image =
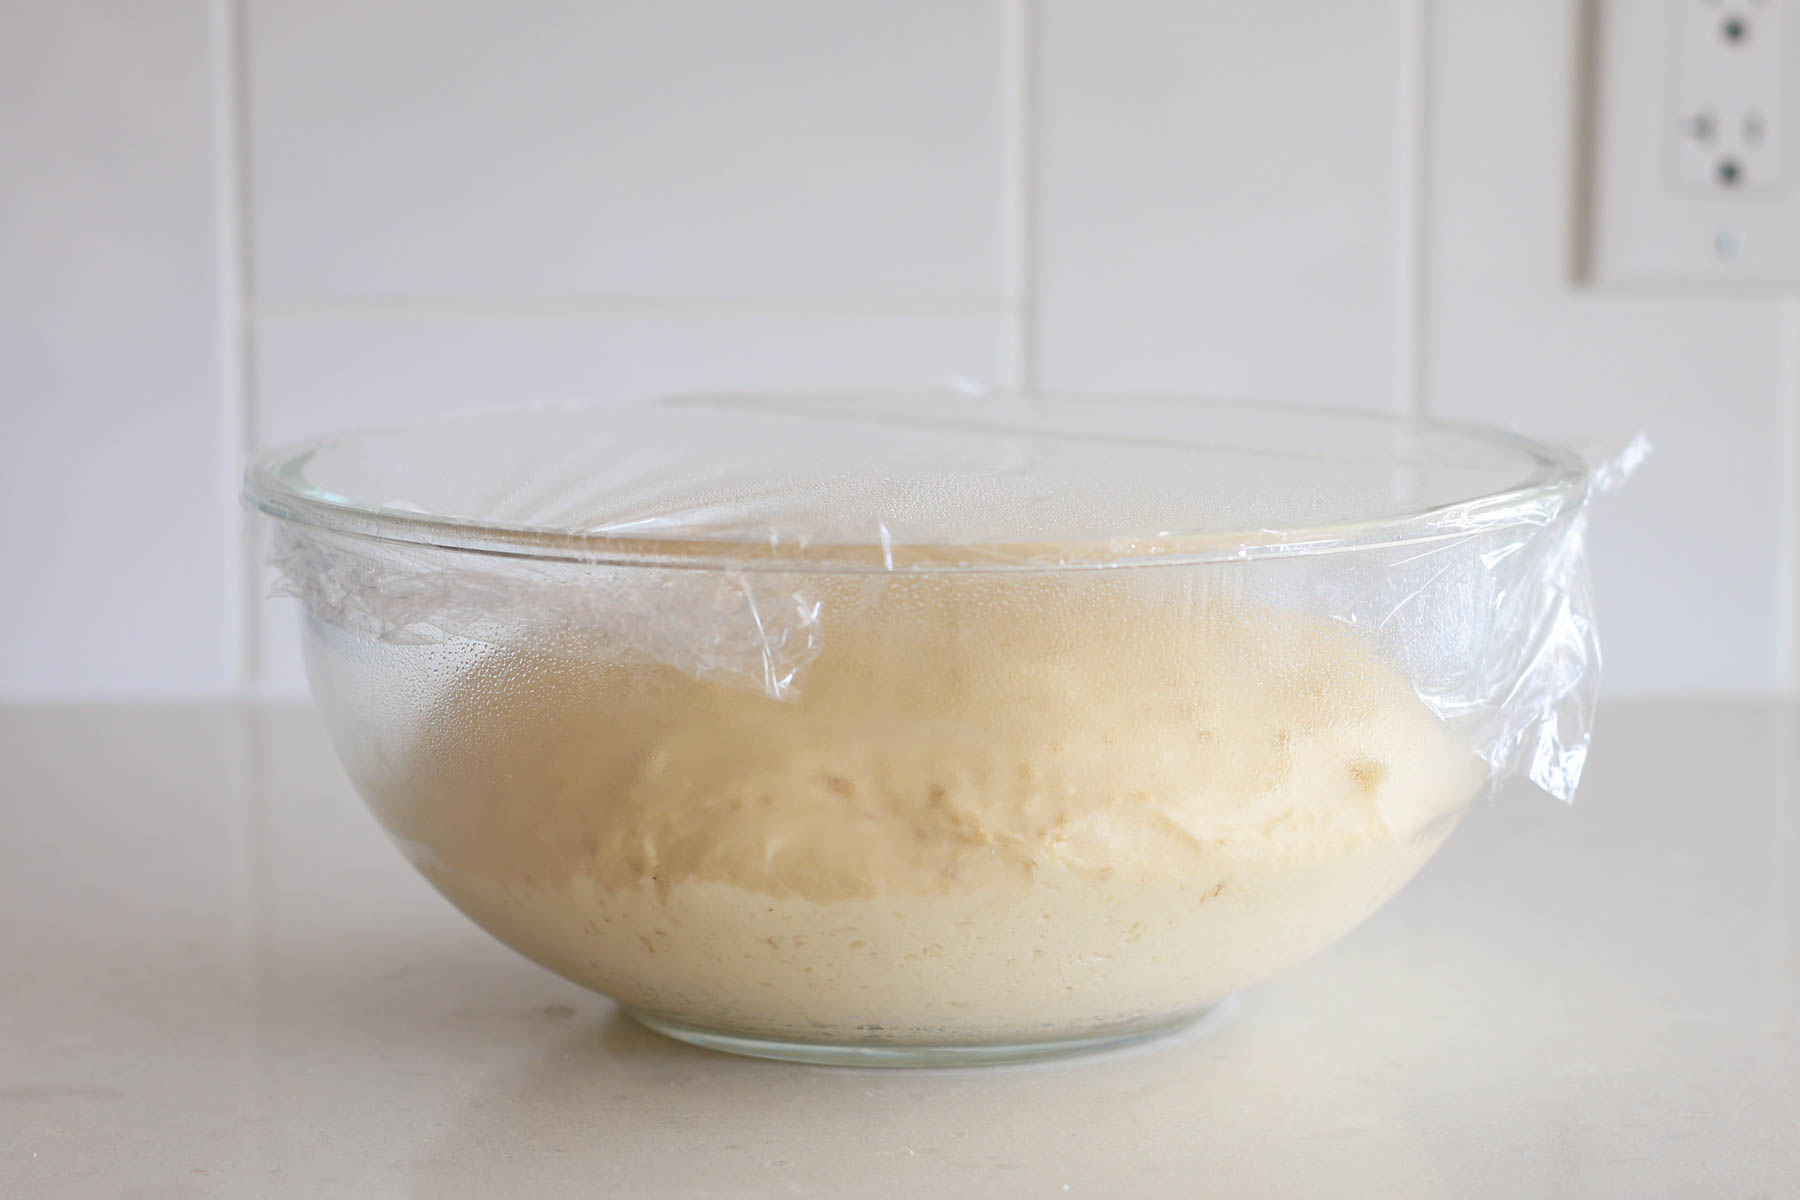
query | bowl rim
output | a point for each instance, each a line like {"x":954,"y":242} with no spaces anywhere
{"x":1558,"y":482}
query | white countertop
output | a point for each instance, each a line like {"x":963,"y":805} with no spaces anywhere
{"x":219,"y":980}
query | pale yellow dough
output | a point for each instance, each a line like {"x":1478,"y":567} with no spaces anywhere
{"x":999,"y":808}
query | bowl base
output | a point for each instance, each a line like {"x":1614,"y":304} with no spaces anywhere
{"x":891,"y":1054}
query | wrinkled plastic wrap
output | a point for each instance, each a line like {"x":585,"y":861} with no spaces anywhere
{"x":724,"y":540}
{"x":749,"y":628}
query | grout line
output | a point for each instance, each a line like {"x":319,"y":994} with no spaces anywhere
{"x":1584,"y":71}
{"x":580,"y":306}
{"x":1787,"y":550}
{"x":1782,"y":828}
{"x":1412,"y":327}
{"x":230,"y":317}
{"x":1019,"y":190}
{"x":238,"y":321}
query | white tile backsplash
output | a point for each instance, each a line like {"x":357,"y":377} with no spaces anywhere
{"x":432,"y":148}
{"x":318,"y":373}
{"x":118,"y":555}
{"x":468,"y":203}
{"x":1218,"y":190}
{"x":1685,"y":558}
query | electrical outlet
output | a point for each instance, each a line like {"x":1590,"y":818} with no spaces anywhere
{"x":1727,"y":129}
{"x":1695,"y":140}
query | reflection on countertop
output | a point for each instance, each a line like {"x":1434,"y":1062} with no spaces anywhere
{"x":221,"y":981}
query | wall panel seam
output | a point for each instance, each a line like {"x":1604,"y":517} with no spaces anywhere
{"x":1787,"y":548}
{"x":240,"y":331}
{"x":1412,"y":353}
{"x":1019,"y":219}
{"x":598,"y":305}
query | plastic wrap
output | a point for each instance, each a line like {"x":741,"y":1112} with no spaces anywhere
{"x":756,"y":629}
{"x":702,"y":535}
{"x":936,"y":728}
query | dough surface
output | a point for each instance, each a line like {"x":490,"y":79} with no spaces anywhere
{"x":999,"y":807}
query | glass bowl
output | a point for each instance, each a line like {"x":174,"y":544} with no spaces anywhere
{"x":932,"y":728}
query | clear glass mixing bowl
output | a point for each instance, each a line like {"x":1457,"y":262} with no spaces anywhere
{"x":929,"y":728}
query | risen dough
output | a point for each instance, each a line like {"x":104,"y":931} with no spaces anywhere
{"x":999,"y":808}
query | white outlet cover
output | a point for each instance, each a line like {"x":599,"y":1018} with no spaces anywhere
{"x":1728,"y":62}
{"x":1660,"y":212}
